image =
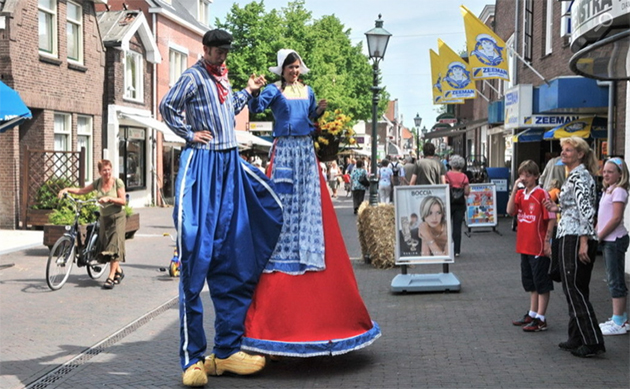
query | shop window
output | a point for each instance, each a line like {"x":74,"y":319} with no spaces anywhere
{"x":133,"y":76}
{"x":85,"y":136}
{"x":132,"y":157}
{"x":74,"y":32}
{"x":47,"y":26}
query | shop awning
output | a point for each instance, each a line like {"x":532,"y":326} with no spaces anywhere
{"x":145,"y":121}
{"x":248,"y":140}
{"x":590,"y":127}
{"x":13,"y":111}
{"x":529,"y":135}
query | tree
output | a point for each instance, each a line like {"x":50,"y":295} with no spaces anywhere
{"x":340,"y":73}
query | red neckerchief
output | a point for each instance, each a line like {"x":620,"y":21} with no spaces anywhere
{"x":219,"y":74}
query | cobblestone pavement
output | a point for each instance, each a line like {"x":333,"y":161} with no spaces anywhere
{"x":82,"y":336}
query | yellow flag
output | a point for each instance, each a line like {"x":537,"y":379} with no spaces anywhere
{"x":486,"y":51}
{"x":456,"y":83}
{"x":436,"y":80}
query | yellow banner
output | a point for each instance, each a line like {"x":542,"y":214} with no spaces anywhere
{"x":456,"y":83}
{"x":486,"y":51}
{"x":436,"y":81}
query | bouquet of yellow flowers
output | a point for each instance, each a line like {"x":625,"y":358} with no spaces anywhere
{"x":331,"y":130}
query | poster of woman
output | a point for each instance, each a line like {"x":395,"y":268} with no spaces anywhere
{"x":481,"y":208}
{"x":423,"y":227}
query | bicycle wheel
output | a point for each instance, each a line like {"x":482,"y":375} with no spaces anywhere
{"x":94,"y":271}
{"x":60,"y":262}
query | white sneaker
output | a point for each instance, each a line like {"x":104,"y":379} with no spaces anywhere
{"x":615,"y":329}
{"x":606,"y":323}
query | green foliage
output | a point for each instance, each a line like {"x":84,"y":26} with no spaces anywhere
{"x":64,"y":213}
{"x":340,"y":73}
{"x":46,"y":197}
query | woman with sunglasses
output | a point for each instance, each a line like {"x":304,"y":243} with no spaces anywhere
{"x":613,"y":239}
{"x":577,"y":240}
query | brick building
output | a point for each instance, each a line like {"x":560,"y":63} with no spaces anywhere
{"x":178,"y":26}
{"x":127,"y":101}
{"x":51,"y":53}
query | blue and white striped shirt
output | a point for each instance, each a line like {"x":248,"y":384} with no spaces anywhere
{"x":192,"y":104}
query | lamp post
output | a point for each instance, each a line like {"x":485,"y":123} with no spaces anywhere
{"x":417,"y":121}
{"x":377,"y":39}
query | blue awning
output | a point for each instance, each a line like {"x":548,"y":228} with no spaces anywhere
{"x":529,"y":135}
{"x":13,"y":111}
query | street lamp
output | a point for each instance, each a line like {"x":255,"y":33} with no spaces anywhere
{"x":417,"y":121}
{"x":377,"y":39}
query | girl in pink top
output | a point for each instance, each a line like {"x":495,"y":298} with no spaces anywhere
{"x":613,"y":238}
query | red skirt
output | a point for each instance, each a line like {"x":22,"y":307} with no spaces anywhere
{"x":316,"y":313}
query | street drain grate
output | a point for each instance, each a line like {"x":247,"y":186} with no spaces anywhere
{"x":61,"y":371}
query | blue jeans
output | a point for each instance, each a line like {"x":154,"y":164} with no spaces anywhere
{"x":614,"y":256}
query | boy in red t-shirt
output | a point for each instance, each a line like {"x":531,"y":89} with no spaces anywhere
{"x":533,"y":242}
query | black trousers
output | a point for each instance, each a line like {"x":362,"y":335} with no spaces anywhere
{"x":357,"y":198}
{"x":576,"y":277}
{"x":457,"y":218}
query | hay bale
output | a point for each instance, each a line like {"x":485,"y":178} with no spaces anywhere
{"x":377,"y":234}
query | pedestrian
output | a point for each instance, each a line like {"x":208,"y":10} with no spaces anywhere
{"x":613,"y":238}
{"x":227,"y":216}
{"x":334,"y":176}
{"x":307,"y":302}
{"x":533,"y":242}
{"x":408,"y":168}
{"x":460,"y":189}
{"x":358,"y":189}
{"x":110,"y":193}
{"x":428,"y":170}
{"x":577,"y":240}
{"x":385,"y":175}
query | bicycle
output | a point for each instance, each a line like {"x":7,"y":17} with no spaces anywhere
{"x":70,"y":248}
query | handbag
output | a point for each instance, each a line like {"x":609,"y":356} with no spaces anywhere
{"x":363,"y":180}
{"x":457,"y":195}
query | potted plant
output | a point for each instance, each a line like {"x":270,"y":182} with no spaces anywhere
{"x":46,"y":201}
{"x":63,"y":216}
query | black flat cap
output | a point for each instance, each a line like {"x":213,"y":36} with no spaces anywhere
{"x":217,"y":38}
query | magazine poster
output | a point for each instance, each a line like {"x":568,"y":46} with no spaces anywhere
{"x":481,"y":209}
{"x":423,"y":224}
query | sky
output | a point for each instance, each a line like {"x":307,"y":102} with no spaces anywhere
{"x":415,"y":26}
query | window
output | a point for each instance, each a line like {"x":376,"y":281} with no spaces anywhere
{"x":74,"y":31}
{"x":511,"y":60}
{"x":62,"y":132}
{"x":177,"y":64}
{"x":528,"y":29}
{"x":549,"y":28}
{"x":47,"y":26}
{"x":133,"y":76}
{"x":131,"y":151}
{"x":84,"y":139}
{"x":204,"y":12}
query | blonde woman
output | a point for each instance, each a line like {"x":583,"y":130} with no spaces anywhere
{"x":578,"y":242}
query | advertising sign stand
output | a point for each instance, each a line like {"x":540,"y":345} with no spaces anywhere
{"x":481,"y":208}
{"x":423,"y":236}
